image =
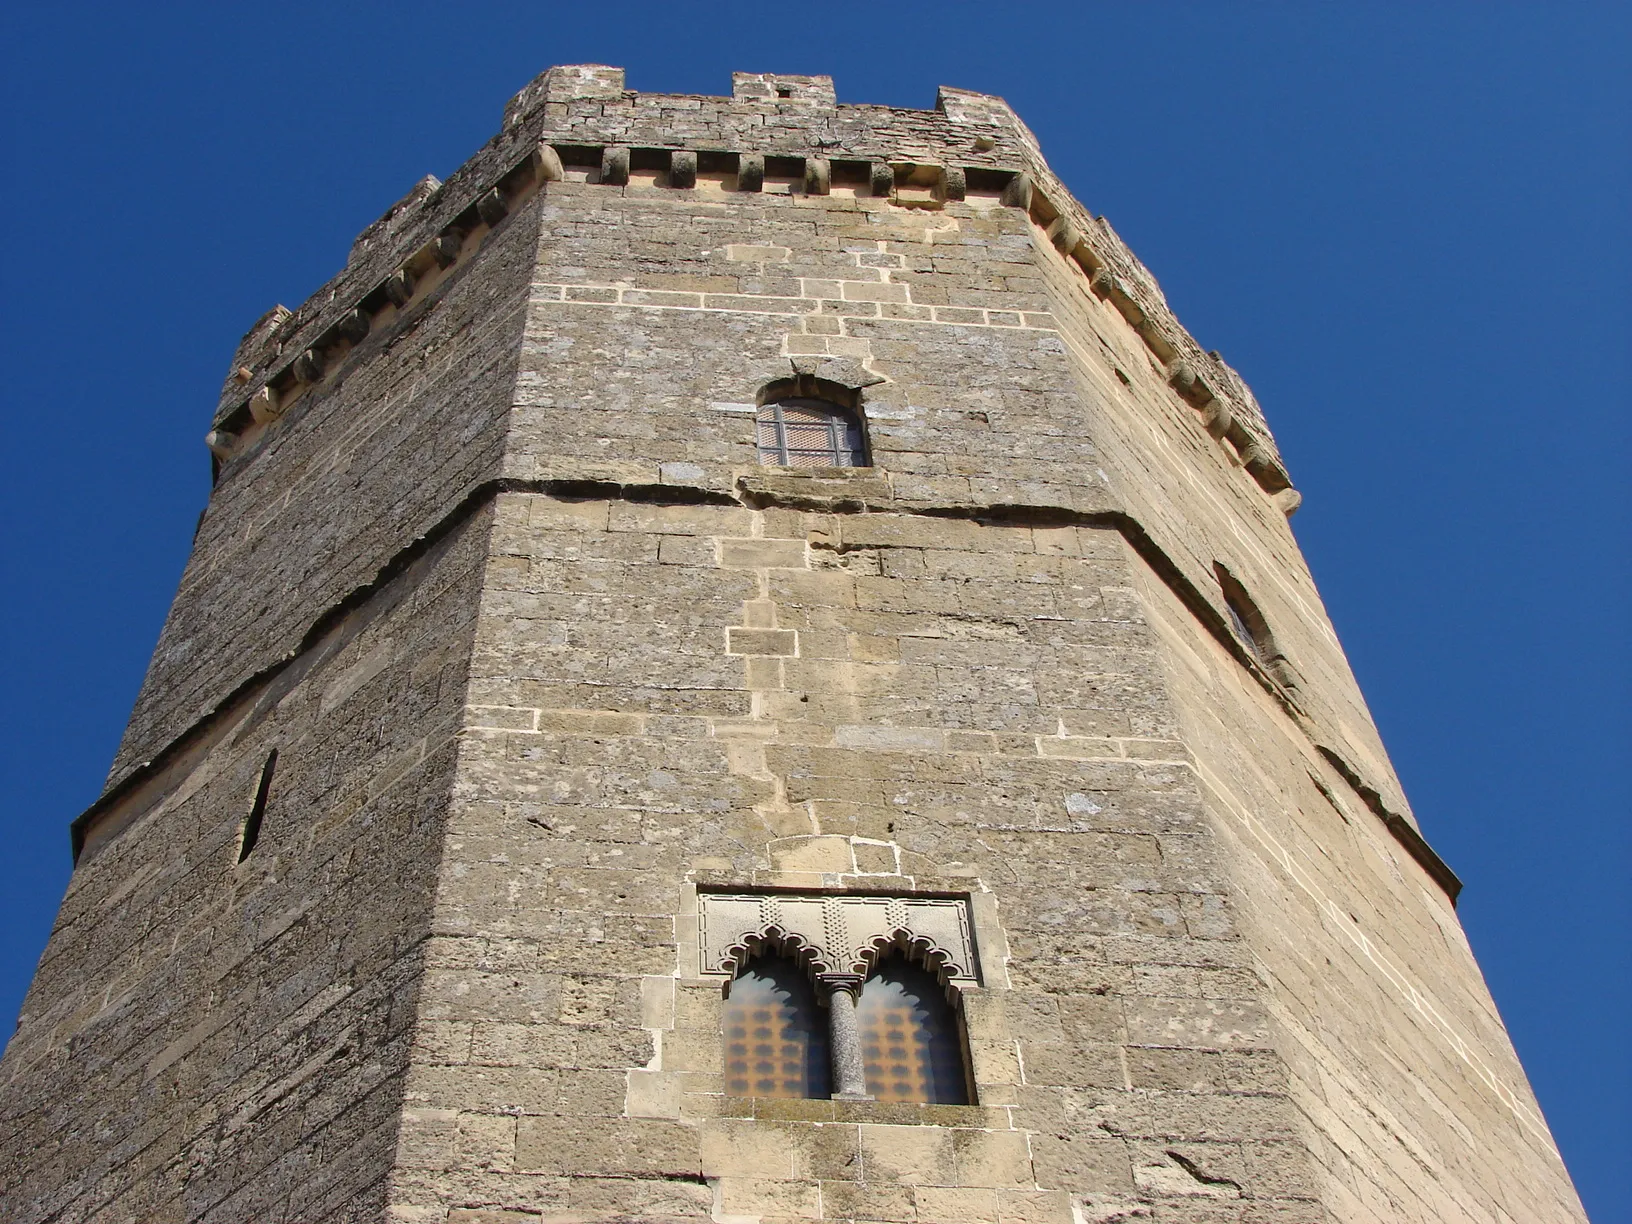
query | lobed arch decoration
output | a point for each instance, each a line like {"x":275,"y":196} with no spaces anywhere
{"x":846,"y":933}
{"x":773,"y":943}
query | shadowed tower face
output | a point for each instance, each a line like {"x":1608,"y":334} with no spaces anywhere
{"x":741,"y":665}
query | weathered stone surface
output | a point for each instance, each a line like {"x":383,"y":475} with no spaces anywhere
{"x":544,"y":651}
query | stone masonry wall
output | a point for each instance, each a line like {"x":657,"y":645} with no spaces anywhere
{"x":667,"y":697}
{"x":1187,"y":489}
{"x":1416,"y":1105}
{"x":209,"y":1040}
{"x":376,"y":454}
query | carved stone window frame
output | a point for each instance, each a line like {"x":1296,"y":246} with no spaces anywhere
{"x":683,"y":1009}
{"x":839,"y":937}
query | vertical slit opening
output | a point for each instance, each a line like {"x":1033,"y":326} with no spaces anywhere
{"x":252,"y":823}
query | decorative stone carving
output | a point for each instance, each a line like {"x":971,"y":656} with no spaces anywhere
{"x":838,"y":934}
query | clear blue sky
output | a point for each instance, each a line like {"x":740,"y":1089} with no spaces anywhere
{"x":1407,"y":224}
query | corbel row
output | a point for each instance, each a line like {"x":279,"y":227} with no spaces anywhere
{"x":910,"y":183}
{"x":1192,"y":386}
{"x":679,"y":168}
{"x":313,"y":362}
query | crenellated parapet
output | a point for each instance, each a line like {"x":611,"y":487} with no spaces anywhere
{"x":776,"y":135}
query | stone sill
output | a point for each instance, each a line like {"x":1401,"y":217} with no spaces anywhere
{"x":880,"y":1113}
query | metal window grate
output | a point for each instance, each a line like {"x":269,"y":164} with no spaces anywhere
{"x":910,"y":1041}
{"x":775,"y":1035}
{"x":809,"y":433}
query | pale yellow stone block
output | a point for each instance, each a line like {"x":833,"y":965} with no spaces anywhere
{"x":742,"y":252}
{"x":874,"y":649}
{"x":867,"y":291}
{"x":1077,"y":747}
{"x":739,"y":1148}
{"x":994,"y":1059}
{"x":550,"y":515}
{"x":1034,"y":1207}
{"x":914,"y":1155}
{"x":755,"y":1199}
{"x":848,"y":1200}
{"x":816,"y":853}
{"x":950,"y":1205}
{"x":992,"y":1158}
{"x":657,"y":1002}
{"x":762,"y":554}
{"x":781,"y":643}
{"x":653,"y":1094}
{"x":694,"y":1050}
{"x":763,"y":673}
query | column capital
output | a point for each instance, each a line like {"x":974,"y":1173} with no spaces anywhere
{"x":849,"y":983}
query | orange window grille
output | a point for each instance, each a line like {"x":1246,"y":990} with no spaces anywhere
{"x":775,"y":1034}
{"x":910,"y":1041}
{"x":807,"y":433}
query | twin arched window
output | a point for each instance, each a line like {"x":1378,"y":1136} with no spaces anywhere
{"x":809,"y":433}
{"x":778,"y":1043}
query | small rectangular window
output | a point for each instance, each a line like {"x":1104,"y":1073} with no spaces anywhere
{"x":808,"y":433}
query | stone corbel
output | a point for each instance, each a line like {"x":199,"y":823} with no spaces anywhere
{"x":818,"y":176}
{"x":264,"y":407}
{"x":1017,"y":194}
{"x":1257,"y":459}
{"x":1063,"y":235}
{"x":682,"y":168}
{"x":615,"y":166}
{"x":1287,"y":501}
{"x":308,"y":367}
{"x":491,"y":208}
{"x":547,"y":167}
{"x":399,"y":288}
{"x":353,"y":326}
{"x":1217,"y":417}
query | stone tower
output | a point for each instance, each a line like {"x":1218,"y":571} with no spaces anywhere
{"x":742,"y":666}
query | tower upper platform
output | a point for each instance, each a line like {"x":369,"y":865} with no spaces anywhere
{"x":776,"y":134}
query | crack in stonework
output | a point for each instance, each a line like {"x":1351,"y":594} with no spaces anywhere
{"x":997,"y":515}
